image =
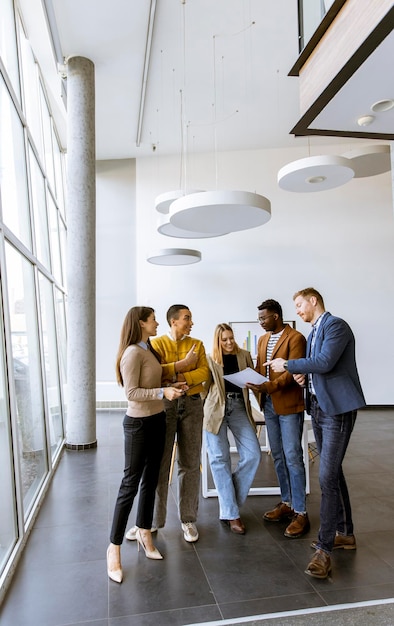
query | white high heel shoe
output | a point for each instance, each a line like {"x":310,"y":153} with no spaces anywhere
{"x":150,"y":554}
{"x":115,"y":575}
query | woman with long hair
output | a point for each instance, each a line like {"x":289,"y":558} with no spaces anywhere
{"x":228,"y":407}
{"x":138,"y":370}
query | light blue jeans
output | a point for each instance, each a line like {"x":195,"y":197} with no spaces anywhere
{"x":285,"y":435}
{"x":233,"y":486}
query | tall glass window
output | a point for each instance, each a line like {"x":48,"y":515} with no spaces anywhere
{"x":32,"y":267}
{"x":31,"y":92}
{"x":51,"y":363}
{"x":38,"y":201}
{"x":48,"y":145}
{"x":63,"y":248}
{"x":60,"y":314}
{"x":311,"y":13}
{"x":55,"y":239}
{"x":8,"y":527}
{"x":13,"y":177}
{"x":8,"y":49}
{"x":27,"y":375}
{"x":59,"y":175}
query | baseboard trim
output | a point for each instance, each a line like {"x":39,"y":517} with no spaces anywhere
{"x":111,"y":404}
{"x":377,"y":407}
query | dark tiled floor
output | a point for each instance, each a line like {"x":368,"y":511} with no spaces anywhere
{"x":61,"y":578}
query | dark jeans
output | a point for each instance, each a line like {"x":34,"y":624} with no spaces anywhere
{"x":332,"y":434}
{"x":143,"y":449}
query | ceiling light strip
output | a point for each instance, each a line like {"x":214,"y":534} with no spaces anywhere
{"x":148,"y":49}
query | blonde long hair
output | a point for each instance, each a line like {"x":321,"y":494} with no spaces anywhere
{"x":217,"y":353}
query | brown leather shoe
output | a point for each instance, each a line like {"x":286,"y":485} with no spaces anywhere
{"x":237,"y":526}
{"x":298,"y":526}
{"x":279,"y":513}
{"x":320,"y":565}
{"x":346,"y":542}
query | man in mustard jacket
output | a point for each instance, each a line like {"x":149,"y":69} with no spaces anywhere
{"x":183,"y":359}
{"x":283,"y":405}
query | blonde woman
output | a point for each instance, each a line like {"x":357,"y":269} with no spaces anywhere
{"x":228,"y":407}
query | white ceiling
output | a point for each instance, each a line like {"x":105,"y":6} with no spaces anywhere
{"x":218,"y":76}
{"x":243,"y":83}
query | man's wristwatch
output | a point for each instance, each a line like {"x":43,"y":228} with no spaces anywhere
{"x":285,"y":365}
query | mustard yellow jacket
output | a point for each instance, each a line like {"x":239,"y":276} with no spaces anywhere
{"x":171,"y":351}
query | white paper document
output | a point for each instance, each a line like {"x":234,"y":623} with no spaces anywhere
{"x":245,"y":376}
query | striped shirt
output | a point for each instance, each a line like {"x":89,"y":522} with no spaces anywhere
{"x":272,"y":341}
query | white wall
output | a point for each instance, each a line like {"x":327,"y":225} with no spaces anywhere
{"x":116,"y":261}
{"x":339,"y":241}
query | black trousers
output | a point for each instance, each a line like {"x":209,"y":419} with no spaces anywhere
{"x":143,"y":448}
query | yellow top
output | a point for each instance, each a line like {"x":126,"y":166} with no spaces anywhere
{"x":171,"y":351}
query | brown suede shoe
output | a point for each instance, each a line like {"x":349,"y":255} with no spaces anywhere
{"x":346,"y":542}
{"x":279,"y":513}
{"x":320,"y":565}
{"x":298,"y":526}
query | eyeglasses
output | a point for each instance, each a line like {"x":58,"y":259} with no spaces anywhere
{"x":263,"y":319}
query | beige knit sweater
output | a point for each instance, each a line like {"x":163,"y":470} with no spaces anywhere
{"x":141,"y":373}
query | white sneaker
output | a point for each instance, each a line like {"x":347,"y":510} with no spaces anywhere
{"x":131,"y":534}
{"x":190,"y":531}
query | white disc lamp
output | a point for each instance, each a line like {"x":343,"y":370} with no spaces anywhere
{"x":316,"y":173}
{"x":174,"y":256}
{"x":165,"y":227}
{"x":220,"y":212}
{"x":164,"y":200}
{"x":370,"y":161}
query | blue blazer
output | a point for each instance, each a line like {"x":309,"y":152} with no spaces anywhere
{"x":335,"y":377}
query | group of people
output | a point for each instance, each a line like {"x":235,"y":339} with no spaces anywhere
{"x":175,"y":392}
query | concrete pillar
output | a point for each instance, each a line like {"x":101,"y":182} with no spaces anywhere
{"x":81,"y":255}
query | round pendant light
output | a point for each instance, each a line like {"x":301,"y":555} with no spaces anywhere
{"x":370,"y":161}
{"x":174,"y":256}
{"x":164,"y":200}
{"x":316,"y":173}
{"x":165,"y":227}
{"x":220,"y":212}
